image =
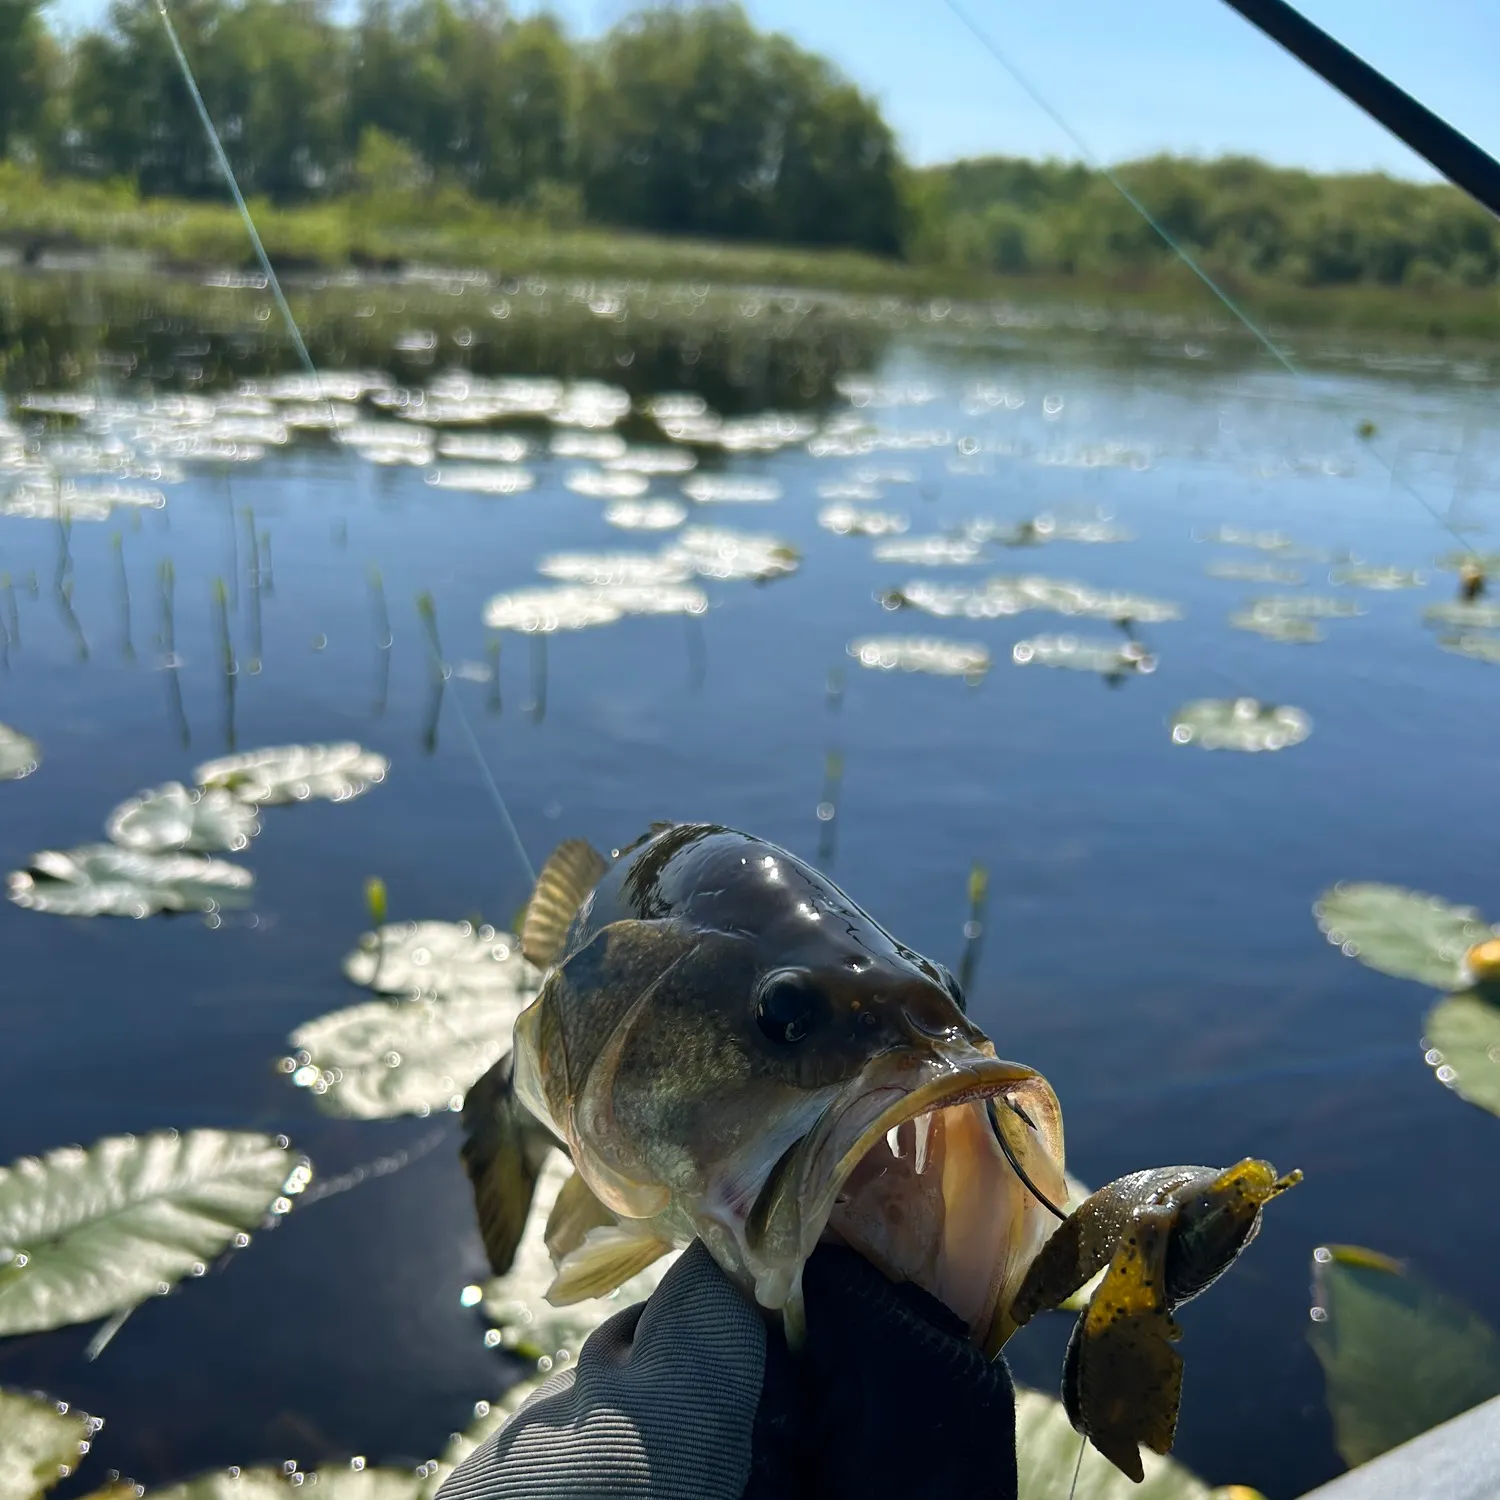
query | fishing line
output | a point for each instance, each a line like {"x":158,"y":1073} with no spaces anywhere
{"x":274,"y":283}
{"x":1180,"y":250}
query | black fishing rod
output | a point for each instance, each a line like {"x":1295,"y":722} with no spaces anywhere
{"x":1454,"y":155}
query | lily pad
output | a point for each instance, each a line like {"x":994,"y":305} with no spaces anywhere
{"x":646,"y":515}
{"x":484,"y":447}
{"x":1456,"y":562}
{"x":84,"y":1234}
{"x":1407,"y":934}
{"x":1476,"y":647}
{"x":1398,"y":1355}
{"x":1260,"y":541}
{"x":914,"y":653}
{"x":1462,"y":615}
{"x":929,"y":551}
{"x":998,"y":597}
{"x":596,"y":446}
{"x":102,"y":880}
{"x":719,"y":553}
{"x":179,"y":817}
{"x":1463,"y":1047}
{"x":653,"y":461}
{"x":408,"y":1057}
{"x":1359,"y":576}
{"x":1308,"y":607}
{"x":41,"y":1442}
{"x":414,"y":959}
{"x":1239,"y":724}
{"x":296,"y":773}
{"x":353,"y":1481}
{"x":1047,"y":1459}
{"x":1107,"y":658}
{"x":1253,"y":572}
{"x":543,"y":611}
{"x":602,"y":568}
{"x":851,"y":520}
{"x":484,"y":479}
{"x":1275,"y":626}
{"x":19,"y":754}
{"x":597,"y":484}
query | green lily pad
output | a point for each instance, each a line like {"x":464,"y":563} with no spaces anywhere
{"x":1047,"y":1458}
{"x":41,"y":1442}
{"x":1454,"y":562}
{"x":1275,"y":626}
{"x":929,"y":551}
{"x":915,"y":653}
{"x":179,"y":817}
{"x":84,"y":1234}
{"x":1252,"y":572}
{"x":1476,"y":647}
{"x":296,"y":773}
{"x":543,"y":611}
{"x":353,"y":1481}
{"x":1107,"y":658}
{"x":1463,"y":1046}
{"x":1308,"y":606}
{"x":1398,"y":1355}
{"x":1260,"y":541}
{"x":1359,"y":576}
{"x":1407,"y":934}
{"x":719,"y":553}
{"x":427,"y":959}
{"x":1463,"y":616}
{"x":408,"y":1057}
{"x":1239,"y":724}
{"x":601,"y":569}
{"x":102,"y":880}
{"x":19,"y":754}
{"x":857,"y":520}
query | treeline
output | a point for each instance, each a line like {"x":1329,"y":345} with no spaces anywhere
{"x":682,"y":120}
{"x":1241,"y":218}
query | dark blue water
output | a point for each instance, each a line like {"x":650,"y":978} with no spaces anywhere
{"x":1149,"y":943}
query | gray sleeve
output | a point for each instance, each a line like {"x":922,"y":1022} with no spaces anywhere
{"x":660,"y":1405}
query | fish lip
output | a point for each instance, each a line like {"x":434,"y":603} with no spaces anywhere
{"x":943,"y":1082}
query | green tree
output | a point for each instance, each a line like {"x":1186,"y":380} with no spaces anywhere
{"x":30,"y":64}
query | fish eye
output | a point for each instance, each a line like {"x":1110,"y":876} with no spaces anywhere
{"x":787,"y":1006}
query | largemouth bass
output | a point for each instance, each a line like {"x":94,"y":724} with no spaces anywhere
{"x":730,"y":1049}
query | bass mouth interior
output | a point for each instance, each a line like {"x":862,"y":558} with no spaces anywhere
{"x":956,"y":1194}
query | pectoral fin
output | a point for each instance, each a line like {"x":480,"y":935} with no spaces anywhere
{"x":503,"y":1152}
{"x":572,"y":871}
{"x":1123,"y":1378}
{"x":573,"y":1215}
{"x":608,"y":1257}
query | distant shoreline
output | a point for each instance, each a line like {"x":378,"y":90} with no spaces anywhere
{"x":68,"y":226}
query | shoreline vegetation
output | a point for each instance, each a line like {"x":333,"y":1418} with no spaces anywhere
{"x":51,"y":226}
{"x":683,"y":145}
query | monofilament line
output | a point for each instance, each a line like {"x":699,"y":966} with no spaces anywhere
{"x":1180,"y":250}
{"x":295,"y":333}
{"x":222,"y":158}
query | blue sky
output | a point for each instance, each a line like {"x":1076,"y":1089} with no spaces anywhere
{"x":1130,"y":76}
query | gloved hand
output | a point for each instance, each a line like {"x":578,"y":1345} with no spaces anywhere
{"x":691,"y":1395}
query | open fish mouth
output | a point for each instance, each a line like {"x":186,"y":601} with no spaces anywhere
{"x":945,"y":1173}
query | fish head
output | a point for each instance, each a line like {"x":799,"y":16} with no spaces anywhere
{"x":782,"y":1070}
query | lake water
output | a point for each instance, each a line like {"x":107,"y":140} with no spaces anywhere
{"x":1148,"y":942}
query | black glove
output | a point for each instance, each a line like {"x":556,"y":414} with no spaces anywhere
{"x":888,"y":1398}
{"x":694,"y":1395}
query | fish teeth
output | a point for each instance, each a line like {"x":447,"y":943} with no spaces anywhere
{"x":923,"y":1124}
{"x":893,"y":1140}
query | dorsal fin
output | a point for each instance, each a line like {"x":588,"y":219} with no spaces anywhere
{"x":566,"y":879}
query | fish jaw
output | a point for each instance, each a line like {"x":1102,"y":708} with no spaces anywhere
{"x":904,"y":1165}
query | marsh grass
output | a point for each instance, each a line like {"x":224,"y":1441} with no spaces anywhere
{"x":45,"y":222}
